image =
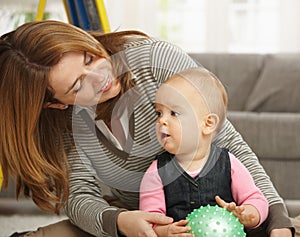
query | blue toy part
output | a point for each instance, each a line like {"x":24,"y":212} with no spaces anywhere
{"x":214,"y":221}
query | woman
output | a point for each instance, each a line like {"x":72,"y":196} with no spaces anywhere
{"x":64,"y":95}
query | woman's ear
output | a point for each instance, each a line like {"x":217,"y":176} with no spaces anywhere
{"x":211,"y":123}
{"x":59,"y":106}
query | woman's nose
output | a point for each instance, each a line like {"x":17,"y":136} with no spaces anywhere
{"x":92,"y":78}
{"x":95,"y":77}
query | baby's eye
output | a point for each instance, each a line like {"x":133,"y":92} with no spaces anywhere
{"x":88,"y":58}
{"x":158,"y":113}
{"x":174,"y":113}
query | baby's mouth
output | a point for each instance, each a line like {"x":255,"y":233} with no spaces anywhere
{"x":164,"y":136}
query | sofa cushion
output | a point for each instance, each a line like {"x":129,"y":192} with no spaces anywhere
{"x":274,"y":137}
{"x":238,"y":72}
{"x":277,"y":89}
{"x":285,"y":176}
{"x":270,"y":135}
{"x":293,"y":207}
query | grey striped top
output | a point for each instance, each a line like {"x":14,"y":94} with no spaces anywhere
{"x":95,"y":160}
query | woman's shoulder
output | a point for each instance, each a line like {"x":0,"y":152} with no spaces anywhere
{"x":149,"y":43}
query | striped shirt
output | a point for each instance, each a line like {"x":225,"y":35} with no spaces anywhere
{"x":95,"y":160}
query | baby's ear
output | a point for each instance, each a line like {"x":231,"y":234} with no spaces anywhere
{"x":211,"y":123}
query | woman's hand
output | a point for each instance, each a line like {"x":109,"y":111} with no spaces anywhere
{"x":140,"y":223}
{"x":284,"y":232}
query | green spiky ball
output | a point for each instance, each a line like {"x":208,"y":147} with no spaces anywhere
{"x":214,"y":221}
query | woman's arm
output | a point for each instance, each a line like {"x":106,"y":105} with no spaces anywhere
{"x":86,"y":207}
{"x":278,"y":223}
{"x":167,"y":59}
{"x":88,"y":210}
{"x":230,"y":138}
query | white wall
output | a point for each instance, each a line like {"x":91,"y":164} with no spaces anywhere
{"x":267,"y":26}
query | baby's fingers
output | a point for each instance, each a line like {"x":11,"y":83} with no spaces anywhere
{"x":181,"y":222}
{"x":179,"y":228}
{"x":220,"y":201}
{"x":239,"y":209}
{"x":247,"y":220}
{"x":231,"y":207}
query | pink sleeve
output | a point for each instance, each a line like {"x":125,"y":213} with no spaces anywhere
{"x":152,"y":197}
{"x":244,"y":190}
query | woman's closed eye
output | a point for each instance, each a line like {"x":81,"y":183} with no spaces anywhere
{"x":88,"y":58}
{"x":78,"y":86}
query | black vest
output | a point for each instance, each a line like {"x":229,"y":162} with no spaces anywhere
{"x":183,"y":193}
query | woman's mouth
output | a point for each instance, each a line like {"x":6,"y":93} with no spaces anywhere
{"x":106,"y":87}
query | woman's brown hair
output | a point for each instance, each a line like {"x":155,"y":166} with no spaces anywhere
{"x":31,"y":142}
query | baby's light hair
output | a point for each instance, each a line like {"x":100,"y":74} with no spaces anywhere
{"x":210,"y":88}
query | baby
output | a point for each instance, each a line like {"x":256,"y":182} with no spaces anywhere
{"x":193,"y":172}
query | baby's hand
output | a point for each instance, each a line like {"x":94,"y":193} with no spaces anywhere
{"x":247,"y":214}
{"x":178,"y":228}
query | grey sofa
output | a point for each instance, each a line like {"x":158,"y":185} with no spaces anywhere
{"x":264,"y":106}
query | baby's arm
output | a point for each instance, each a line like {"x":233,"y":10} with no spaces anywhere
{"x":251,"y":206}
{"x":245,"y":192}
{"x":152,"y":199}
{"x":246,"y":213}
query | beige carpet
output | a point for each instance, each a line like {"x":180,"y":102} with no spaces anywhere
{"x":22,"y":215}
{"x":23,"y":222}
